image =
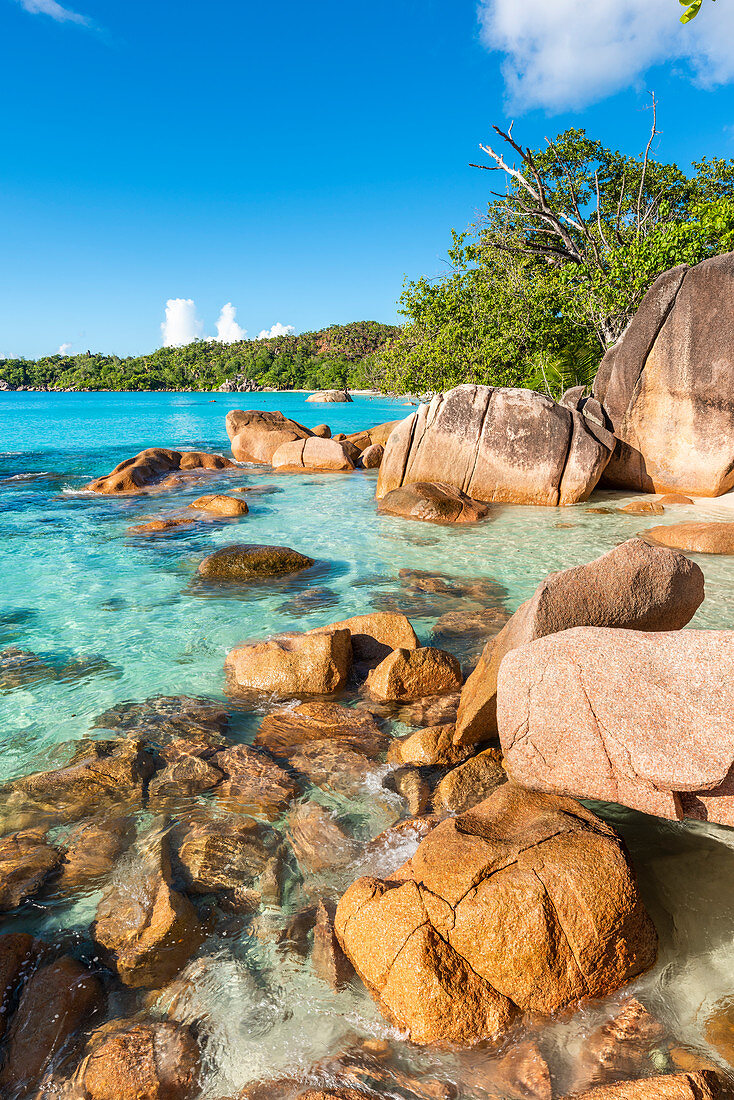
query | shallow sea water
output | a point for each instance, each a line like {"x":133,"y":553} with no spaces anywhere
{"x":74,"y":584}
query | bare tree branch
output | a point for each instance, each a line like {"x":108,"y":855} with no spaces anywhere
{"x":653,"y":134}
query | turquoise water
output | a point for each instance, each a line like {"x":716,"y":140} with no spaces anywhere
{"x":77,"y":586}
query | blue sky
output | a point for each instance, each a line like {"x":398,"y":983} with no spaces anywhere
{"x":298,"y":160}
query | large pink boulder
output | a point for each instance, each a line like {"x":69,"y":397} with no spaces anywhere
{"x":256,"y":435}
{"x":314,"y":453}
{"x":498,"y":445}
{"x":642,"y":719}
{"x":668,"y":385}
{"x":635,"y":586}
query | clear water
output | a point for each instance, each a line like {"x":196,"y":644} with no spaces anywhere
{"x":76,"y":584}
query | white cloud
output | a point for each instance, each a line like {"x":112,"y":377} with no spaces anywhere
{"x":181,"y":325}
{"x":64,"y":349}
{"x":228,"y":331}
{"x":570,"y":53}
{"x":50,"y":7}
{"x":276,"y":330}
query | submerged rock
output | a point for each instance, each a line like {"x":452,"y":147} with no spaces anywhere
{"x":327,"y":958}
{"x":695,"y":538}
{"x":256,"y":435}
{"x":248,"y":562}
{"x":292,"y":664}
{"x":21,"y":667}
{"x":142,"y":1061}
{"x":622,"y":1049}
{"x":635,"y":586}
{"x":411,"y":674}
{"x":284,"y":732}
{"x":147,"y":928}
{"x":498,"y":445}
{"x":375,"y":635}
{"x":568,"y":722}
{"x":219,"y":504}
{"x":215,"y":854}
{"x":666,"y":385}
{"x":19,"y":953}
{"x":332,"y":766}
{"x":148,"y":468}
{"x":318,"y":842}
{"x":526,"y":902}
{"x":706,"y":1085}
{"x":56,"y":1001}
{"x":162,"y":526}
{"x":182,"y":779}
{"x":91,"y":850}
{"x":253,"y":783}
{"x":26,"y":861}
{"x":434,"y":502}
{"x":164,"y":719}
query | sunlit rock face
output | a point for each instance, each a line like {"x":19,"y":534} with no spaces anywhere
{"x":493,"y":444}
{"x":668,"y":385}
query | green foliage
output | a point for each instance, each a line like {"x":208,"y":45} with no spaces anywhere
{"x":692,"y":9}
{"x":551,"y":275}
{"x":342,"y":355}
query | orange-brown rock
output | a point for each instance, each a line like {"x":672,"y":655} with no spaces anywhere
{"x":147,"y":928}
{"x":318,"y":842}
{"x":643,"y":508}
{"x":322,"y":431}
{"x":369,"y":437}
{"x":327,"y":958}
{"x":498,"y":445}
{"x":215,"y":854}
{"x":283,"y":732}
{"x":674,"y":498}
{"x":371,"y":457}
{"x":634,"y":586}
{"x":705,"y":1085}
{"x":26,"y":861}
{"x":313,"y":453}
{"x":666,"y":385}
{"x":162,"y":526}
{"x":181,"y":779}
{"x":255,"y":435}
{"x":248,"y":562}
{"x":143,"y":1061}
{"x":695,"y":538}
{"x":291,"y":664}
{"x":429,"y":747}
{"x":18,"y":954}
{"x":719,"y":1030}
{"x":408,"y":674}
{"x":433,"y":502}
{"x":470,"y":783}
{"x":568,"y":722}
{"x":622,"y":1049}
{"x":56,"y":1001}
{"x":219,"y":504}
{"x":376,"y":634}
{"x":146,"y":469}
{"x":253,"y":782}
{"x":519,"y":1073}
{"x":526,"y":902}
{"x":334,"y":767}
{"x":91,"y":850}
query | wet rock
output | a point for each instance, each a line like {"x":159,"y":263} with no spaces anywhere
{"x":216,"y":854}
{"x":330,"y":765}
{"x":164,"y":719}
{"x":643,"y":508}
{"x":388,"y":854}
{"x":219,"y":504}
{"x":470,"y":783}
{"x":674,"y":498}
{"x":310,"y":601}
{"x":413,"y":785}
{"x":148,"y":468}
{"x":26,"y":861}
{"x":143,"y":1061}
{"x":292,"y":664}
{"x":525,"y":902}
{"x":498,"y":445}
{"x":253,"y":783}
{"x":19,"y":953}
{"x":247,"y":562}
{"x":283,"y":732}
{"x":330,"y":396}
{"x":519,"y":1074}
{"x":484,"y":623}
{"x":376,"y":635}
{"x":162,"y":526}
{"x":429,"y":747}
{"x":568,"y":722}
{"x":666,"y":385}
{"x":407,"y":675}
{"x":256,"y":435}
{"x":182,"y":779}
{"x":694,"y":538}
{"x":57,"y":1000}
{"x":483,"y":590}
{"x":431,"y":710}
{"x":621,"y":1050}
{"x":147,"y":928}
{"x":634,"y":586}
{"x":91,"y":849}
{"x":371,"y":457}
{"x":327,"y":958}
{"x":20,"y":668}
{"x":106,"y":773}
{"x":322,"y":431}
{"x":433,"y":502}
{"x":719,"y":1030}
{"x":679,"y":1086}
{"x":318,"y":842}
{"x":312,"y":454}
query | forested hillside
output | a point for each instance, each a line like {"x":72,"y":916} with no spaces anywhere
{"x":341,"y":355}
